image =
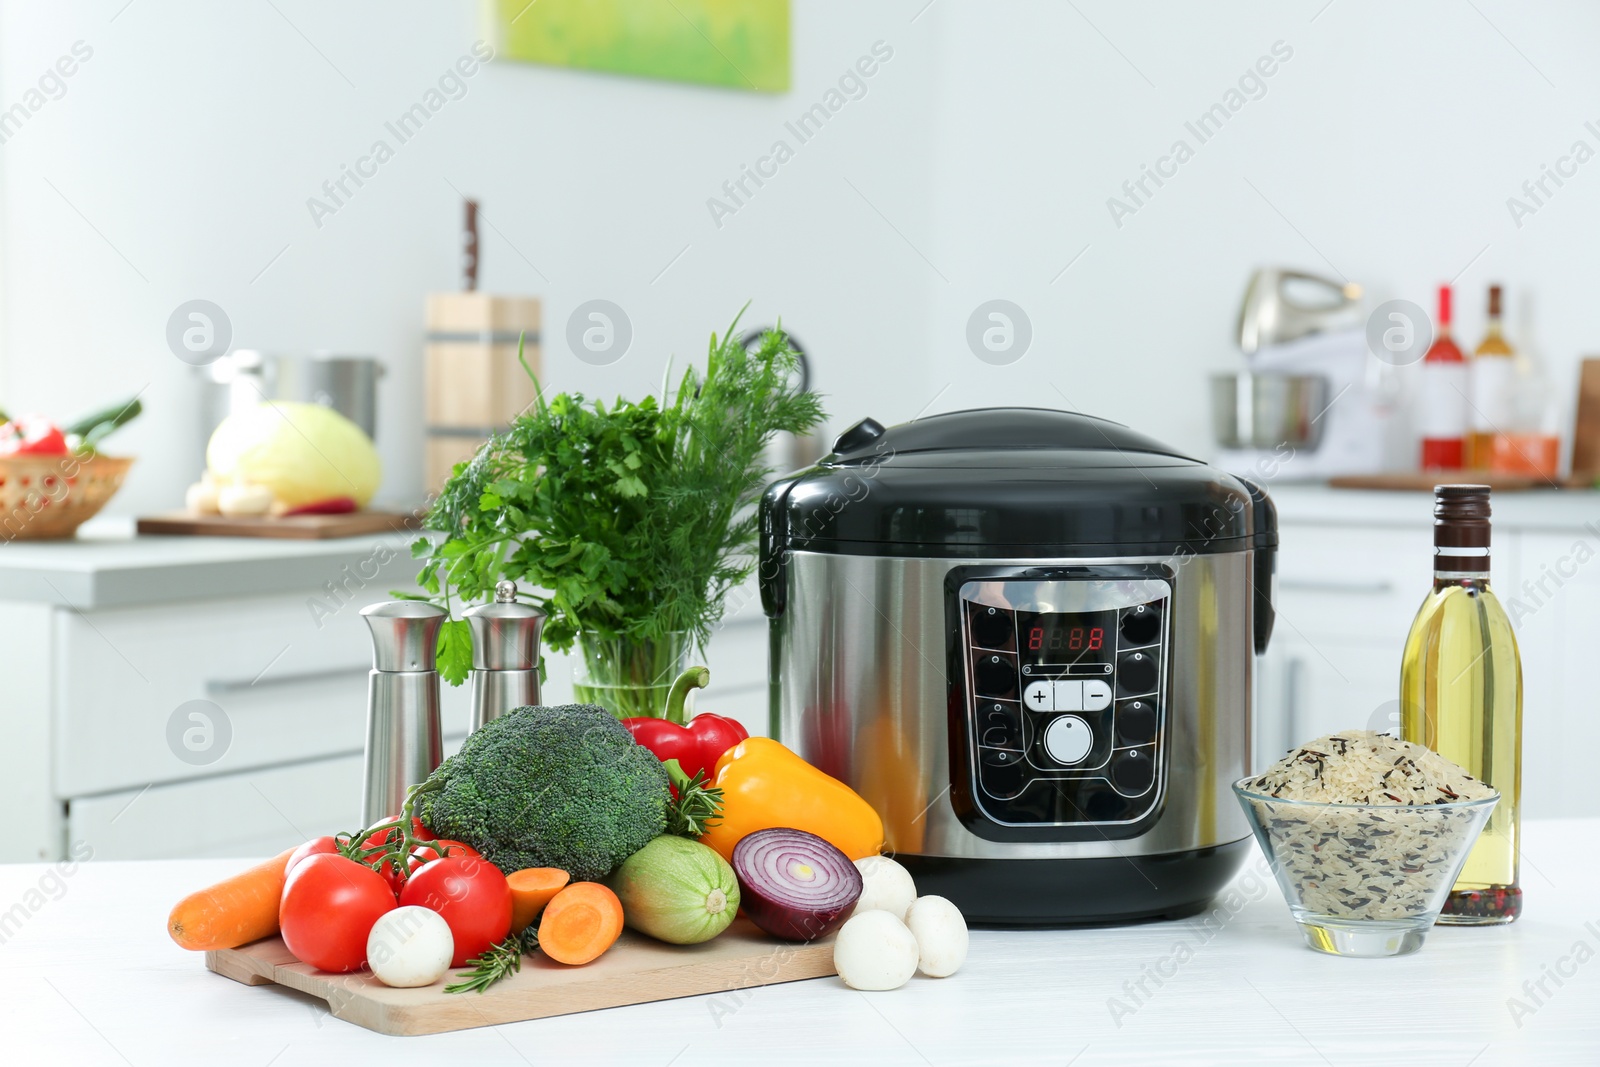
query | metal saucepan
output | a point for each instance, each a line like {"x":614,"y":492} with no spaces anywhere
{"x":1268,"y":410}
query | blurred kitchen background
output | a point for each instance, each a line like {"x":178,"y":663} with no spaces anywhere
{"x":969,"y":153}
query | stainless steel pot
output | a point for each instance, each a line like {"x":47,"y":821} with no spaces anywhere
{"x":244,"y":378}
{"x":1268,"y":410}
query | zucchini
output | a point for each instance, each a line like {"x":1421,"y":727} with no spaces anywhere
{"x":95,"y":426}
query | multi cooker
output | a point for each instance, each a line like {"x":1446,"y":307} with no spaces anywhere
{"x":1027,"y":637}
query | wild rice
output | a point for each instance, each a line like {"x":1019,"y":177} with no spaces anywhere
{"x":1386,"y":859}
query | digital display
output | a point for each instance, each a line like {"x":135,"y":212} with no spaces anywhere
{"x":1066,"y":639}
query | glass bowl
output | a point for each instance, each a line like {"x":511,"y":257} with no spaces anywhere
{"x":1364,"y":879}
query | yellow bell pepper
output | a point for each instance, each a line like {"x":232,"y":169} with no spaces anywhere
{"x":765,"y":785}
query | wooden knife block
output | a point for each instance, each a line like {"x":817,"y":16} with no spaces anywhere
{"x":475,"y":385}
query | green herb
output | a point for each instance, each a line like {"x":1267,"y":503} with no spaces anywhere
{"x":455,"y":650}
{"x":496,"y":962}
{"x":697,"y":804}
{"x":633,"y":520}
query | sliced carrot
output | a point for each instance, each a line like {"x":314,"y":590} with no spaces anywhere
{"x":531,"y":889}
{"x":234,"y":912}
{"x":580,"y":922}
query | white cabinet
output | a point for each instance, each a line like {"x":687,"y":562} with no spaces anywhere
{"x":177,"y":729}
{"x":1309,"y":688}
{"x":1554,"y":604}
{"x":1346,"y":598}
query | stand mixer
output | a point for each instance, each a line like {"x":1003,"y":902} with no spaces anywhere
{"x":1313,"y":403}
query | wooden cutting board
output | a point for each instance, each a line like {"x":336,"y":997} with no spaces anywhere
{"x":294,"y":527}
{"x":636,"y":970}
{"x":1426,"y":480}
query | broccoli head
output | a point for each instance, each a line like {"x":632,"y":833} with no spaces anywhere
{"x":559,"y":787}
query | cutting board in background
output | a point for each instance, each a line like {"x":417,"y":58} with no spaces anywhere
{"x":293,"y":527}
{"x":1586,"y":427}
{"x":636,"y":970}
{"x":1426,"y":480}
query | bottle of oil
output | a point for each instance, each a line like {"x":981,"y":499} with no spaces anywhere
{"x":1461,"y":695}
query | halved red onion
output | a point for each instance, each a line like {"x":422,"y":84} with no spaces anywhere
{"x":794,"y":885}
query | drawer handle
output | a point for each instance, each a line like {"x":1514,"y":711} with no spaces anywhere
{"x":233,"y":685}
{"x":1316,"y":585}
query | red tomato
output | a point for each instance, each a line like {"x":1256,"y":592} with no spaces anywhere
{"x":397,"y":878}
{"x":420,"y":832}
{"x":317,"y":846}
{"x":328,"y":909}
{"x":427,"y":854}
{"x":32,"y":435}
{"x":472,"y":896}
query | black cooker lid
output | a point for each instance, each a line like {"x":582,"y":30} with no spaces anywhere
{"x":1011,"y":482}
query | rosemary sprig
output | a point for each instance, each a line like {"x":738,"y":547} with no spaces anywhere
{"x":497,"y":962}
{"x":697,"y":805}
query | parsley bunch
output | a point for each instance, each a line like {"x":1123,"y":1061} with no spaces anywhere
{"x":632,"y":520}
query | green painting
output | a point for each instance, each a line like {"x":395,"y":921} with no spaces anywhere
{"x":741,"y":44}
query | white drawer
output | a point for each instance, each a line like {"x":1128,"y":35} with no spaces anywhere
{"x":1348,"y":582}
{"x":254,"y":813}
{"x":289,"y":685}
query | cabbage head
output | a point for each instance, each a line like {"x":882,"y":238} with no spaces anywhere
{"x":302,"y":452}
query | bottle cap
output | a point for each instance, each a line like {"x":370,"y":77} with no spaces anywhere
{"x":1494,"y":301}
{"x":505,"y":634}
{"x":1444,"y":307}
{"x":405,"y":634}
{"x":1461,"y":527}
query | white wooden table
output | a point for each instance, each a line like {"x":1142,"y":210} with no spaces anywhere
{"x":87,"y":976}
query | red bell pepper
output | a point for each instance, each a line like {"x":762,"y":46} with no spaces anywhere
{"x":696,"y":743}
{"x":31,"y":435}
{"x":333,"y":505}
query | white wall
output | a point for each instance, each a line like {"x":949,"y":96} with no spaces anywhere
{"x":194,"y":135}
{"x":977,"y":166}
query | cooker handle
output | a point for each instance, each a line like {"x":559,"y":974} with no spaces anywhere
{"x":1264,"y":578}
{"x":772,"y":573}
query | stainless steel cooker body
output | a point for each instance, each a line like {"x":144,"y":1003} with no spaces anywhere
{"x":870,"y":681}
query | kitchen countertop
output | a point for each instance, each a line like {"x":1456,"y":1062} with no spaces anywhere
{"x":89,"y":977}
{"x":1531,"y":509}
{"x":108,"y":566}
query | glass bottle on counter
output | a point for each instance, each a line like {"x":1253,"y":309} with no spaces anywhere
{"x":1461,"y":695}
{"x":1442,"y":401}
{"x":1493,"y":379}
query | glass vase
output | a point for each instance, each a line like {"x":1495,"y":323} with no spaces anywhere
{"x":628,"y":678}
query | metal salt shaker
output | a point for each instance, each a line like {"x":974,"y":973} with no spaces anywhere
{"x":405,"y":741}
{"x":505,"y":655}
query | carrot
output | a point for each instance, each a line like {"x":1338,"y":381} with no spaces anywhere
{"x":234,"y":912}
{"x":531,"y":889}
{"x":580,"y":922}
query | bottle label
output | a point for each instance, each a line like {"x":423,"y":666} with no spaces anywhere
{"x":1442,"y":401}
{"x":1494,"y":383}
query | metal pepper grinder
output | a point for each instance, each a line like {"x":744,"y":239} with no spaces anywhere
{"x":405,"y":742}
{"x":505,"y":655}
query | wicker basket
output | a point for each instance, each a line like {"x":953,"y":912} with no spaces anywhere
{"x":45,"y":497}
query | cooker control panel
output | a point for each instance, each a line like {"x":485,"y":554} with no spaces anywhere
{"x":1063,"y":695}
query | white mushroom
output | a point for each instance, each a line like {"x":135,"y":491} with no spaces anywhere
{"x":941,"y":935}
{"x":201,"y":498}
{"x":244,"y":500}
{"x":410,"y":946}
{"x":874,"y":950}
{"x":885,"y":886}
